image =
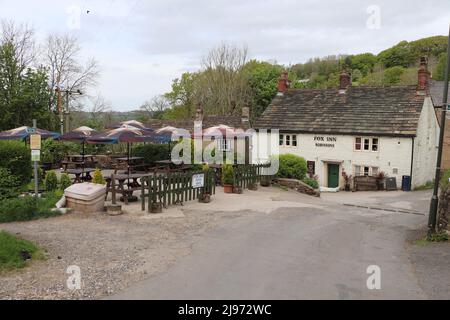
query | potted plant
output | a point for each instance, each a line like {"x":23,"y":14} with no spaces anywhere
{"x":205,"y":196}
{"x":227,"y":178}
{"x":347,"y":180}
{"x":381,"y":178}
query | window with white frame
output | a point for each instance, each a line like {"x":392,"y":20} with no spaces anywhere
{"x":365,"y":171}
{"x":367,"y":144}
{"x":288,"y":140}
{"x":224,"y":144}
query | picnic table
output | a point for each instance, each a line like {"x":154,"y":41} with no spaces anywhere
{"x":131,"y":163}
{"x":77,"y":160}
{"x":170,"y":166}
{"x":78,"y":173}
{"x":124,"y":184}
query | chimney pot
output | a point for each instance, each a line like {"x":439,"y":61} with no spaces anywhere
{"x":344,"y":80}
{"x":283,"y":83}
{"x":423,"y":76}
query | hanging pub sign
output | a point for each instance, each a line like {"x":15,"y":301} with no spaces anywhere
{"x":35,"y":142}
{"x":198,"y":180}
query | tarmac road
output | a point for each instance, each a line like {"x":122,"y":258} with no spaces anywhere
{"x":320,"y":250}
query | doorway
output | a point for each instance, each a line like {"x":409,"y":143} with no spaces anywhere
{"x":333,"y":175}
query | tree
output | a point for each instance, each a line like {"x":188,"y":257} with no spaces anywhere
{"x":439,"y":73}
{"x":182,"y":96}
{"x":154,"y":108}
{"x":65,"y":69}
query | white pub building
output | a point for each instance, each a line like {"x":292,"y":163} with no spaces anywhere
{"x":360,"y":130}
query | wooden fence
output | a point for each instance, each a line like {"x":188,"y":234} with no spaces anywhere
{"x":246,"y":175}
{"x":174,"y":188}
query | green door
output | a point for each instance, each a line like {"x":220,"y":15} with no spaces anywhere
{"x":333,"y":175}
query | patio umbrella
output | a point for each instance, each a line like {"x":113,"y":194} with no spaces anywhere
{"x":22,"y":133}
{"x":133,"y":123}
{"x":173,"y":131}
{"x":128,"y":134}
{"x":80,"y":134}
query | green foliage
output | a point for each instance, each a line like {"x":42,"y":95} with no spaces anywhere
{"x":56,"y":151}
{"x":97,"y":177}
{"x":51,"y":181}
{"x":152,"y":152}
{"x":227,"y":174}
{"x":16,"y":157}
{"x":205,"y":167}
{"x":444,"y":183}
{"x":10,"y":252}
{"x":399,"y":55}
{"x":427,"y":186}
{"x":311,"y":182}
{"x":393,"y":75}
{"x":9,"y":184}
{"x":439,"y":73}
{"x":291,"y":166}
{"x":28,"y":208}
{"x":24,"y":93}
{"x":65,"y":181}
{"x":438,"y":237}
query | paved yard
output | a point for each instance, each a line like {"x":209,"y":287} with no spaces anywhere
{"x":260,"y":245}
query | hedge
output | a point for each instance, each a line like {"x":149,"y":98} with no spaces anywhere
{"x":16,"y":157}
{"x":292,"y":167}
{"x":151,"y":152}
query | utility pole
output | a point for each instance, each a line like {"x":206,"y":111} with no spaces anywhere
{"x":434,"y":199}
{"x":61,"y":112}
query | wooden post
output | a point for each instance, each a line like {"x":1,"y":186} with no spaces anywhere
{"x":113,"y":187}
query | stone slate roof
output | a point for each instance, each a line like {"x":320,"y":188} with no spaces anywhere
{"x":381,"y":111}
{"x":208,"y":121}
{"x":437,"y":92}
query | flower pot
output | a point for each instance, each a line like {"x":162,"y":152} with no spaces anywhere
{"x":237,"y":190}
{"x":228,"y":188}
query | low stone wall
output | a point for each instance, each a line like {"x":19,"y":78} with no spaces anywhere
{"x":298,"y":185}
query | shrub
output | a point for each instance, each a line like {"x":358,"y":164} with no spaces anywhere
{"x":11,"y":249}
{"x":445,"y":179}
{"x":51,"y":181}
{"x":227,"y":174}
{"x":28,"y":208}
{"x":98,"y":177}
{"x":291,"y":166}
{"x":64,"y":181}
{"x":311,"y":182}
{"x":9,"y":184}
{"x":152,"y":152}
{"x":15,"y":156}
{"x":55,"y":151}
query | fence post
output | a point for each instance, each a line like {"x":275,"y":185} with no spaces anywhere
{"x":113,"y":187}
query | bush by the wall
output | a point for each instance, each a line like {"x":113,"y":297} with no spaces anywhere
{"x":15,"y":156}
{"x":51,"y":181}
{"x":152,"y":152}
{"x":292,"y":167}
{"x":311,"y":182}
{"x":9,"y":184}
{"x":28,"y":208}
{"x":64,"y":181}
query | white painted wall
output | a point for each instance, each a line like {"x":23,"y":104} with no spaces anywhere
{"x":426,"y":145}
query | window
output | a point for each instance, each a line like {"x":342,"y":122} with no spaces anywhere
{"x":374,"y":144}
{"x":367,"y":144}
{"x":311,"y":165}
{"x":288,"y":140}
{"x":366,"y":171}
{"x":374,"y":171}
{"x":224,"y":144}
{"x":395,"y":171}
{"x":358,"y":144}
{"x":357,"y":171}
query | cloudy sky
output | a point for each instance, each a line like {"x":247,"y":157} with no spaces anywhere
{"x":142,"y":45}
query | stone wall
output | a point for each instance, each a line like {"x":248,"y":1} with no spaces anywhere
{"x":298,"y":185}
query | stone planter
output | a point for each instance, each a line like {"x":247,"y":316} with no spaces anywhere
{"x":114,"y":209}
{"x":228,"y":188}
{"x":205,"y":198}
{"x":237,"y":190}
{"x":266,"y":181}
{"x":86,"y":197}
{"x":156,"y":207}
{"x":253,"y":187}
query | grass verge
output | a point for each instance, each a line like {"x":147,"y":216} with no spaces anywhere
{"x":15,"y":253}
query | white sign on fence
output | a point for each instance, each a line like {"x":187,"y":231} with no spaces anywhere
{"x":198,"y":180}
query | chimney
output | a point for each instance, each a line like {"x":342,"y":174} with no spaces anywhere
{"x":245,"y":116}
{"x":283,"y":83}
{"x":423,"y":76}
{"x":344,"y":81}
{"x":199,"y":112}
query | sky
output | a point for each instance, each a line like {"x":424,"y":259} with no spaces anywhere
{"x":142,"y":45}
